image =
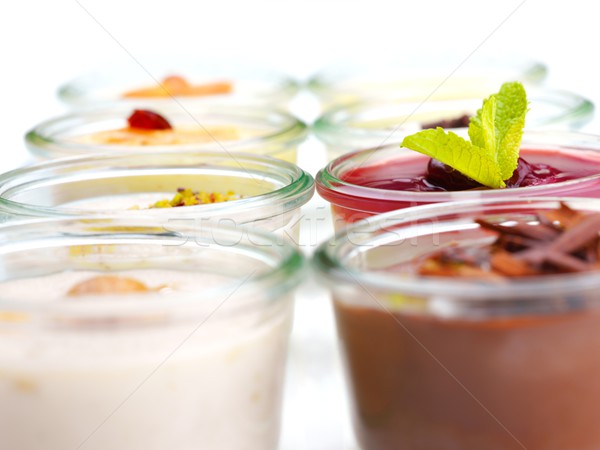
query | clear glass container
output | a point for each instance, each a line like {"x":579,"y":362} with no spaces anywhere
{"x":196,"y":356}
{"x":441,"y":76}
{"x":253,"y":130}
{"x":269,"y":192}
{"x":470,"y":364}
{"x":345,"y":181}
{"x":250,"y":84}
{"x":373,"y":123}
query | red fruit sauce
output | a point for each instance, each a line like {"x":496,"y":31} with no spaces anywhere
{"x":410,"y":179}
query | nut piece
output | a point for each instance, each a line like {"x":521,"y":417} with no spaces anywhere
{"x":107,"y":284}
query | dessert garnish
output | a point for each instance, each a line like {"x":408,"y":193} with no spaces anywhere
{"x":558,"y":241}
{"x":176,"y":85}
{"x":142,"y":119}
{"x":107,"y":284}
{"x":456,"y":122}
{"x":187,"y":197}
{"x":492,"y":154}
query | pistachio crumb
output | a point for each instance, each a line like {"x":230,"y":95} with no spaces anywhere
{"x":188,"y":197}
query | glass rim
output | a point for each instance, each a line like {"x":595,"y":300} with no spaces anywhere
{"x":80,"y":89}
{"x":330,"y":258}
{"x":328,"y":180}
{"x":297,"y":192}
{"x":334,"y":125}
{"x":41,"y":141}
{"x":282,"y":275}
{"x":325,"y":83}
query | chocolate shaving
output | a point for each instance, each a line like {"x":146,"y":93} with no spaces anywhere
{"x":564,"y":217}
{"x":538,"y":233}
{"x":503,"y":262}
{"x":559,"y":241}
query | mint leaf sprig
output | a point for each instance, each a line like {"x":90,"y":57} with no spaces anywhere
{"x":495,"y":134}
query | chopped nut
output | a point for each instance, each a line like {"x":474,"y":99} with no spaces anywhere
{"x":107,"y":284}
{"x":187,"y":197}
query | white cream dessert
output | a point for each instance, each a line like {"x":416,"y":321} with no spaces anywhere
{"x":287,"y":225}
{"x":155,"y":381}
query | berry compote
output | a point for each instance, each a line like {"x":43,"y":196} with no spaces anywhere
{"x":368,"y":182}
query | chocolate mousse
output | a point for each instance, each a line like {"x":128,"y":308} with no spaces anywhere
{"x":518,"y":378}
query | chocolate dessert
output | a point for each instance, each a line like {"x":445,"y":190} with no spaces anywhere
{"x":519,"y":378}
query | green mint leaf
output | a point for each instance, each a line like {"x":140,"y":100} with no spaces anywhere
{"x":510,"y":120}
{"x":499,"y":124}
{"x":482,"y":131}
{"x":476,"y":162}
{"x":495,"y":132}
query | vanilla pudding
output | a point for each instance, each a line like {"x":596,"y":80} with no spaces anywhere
{"x":193,"y":357}
{"x":109,"y":129}
{"x":176,"y":136}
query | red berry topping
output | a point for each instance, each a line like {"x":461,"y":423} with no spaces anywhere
{"x":143,"y":119}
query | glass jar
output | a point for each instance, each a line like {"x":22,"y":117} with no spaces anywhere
{"x":373,"y":123}
{"x":122,"y":334}
{"x":267,"y":192}
{"x":246,"y":84}
{"x":251,"y":130}
{"x":439,"y":76}
{"x":347,"y":182}
{"x":448,"y":363}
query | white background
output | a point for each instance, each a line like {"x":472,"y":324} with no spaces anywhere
{"x":46,"y":42}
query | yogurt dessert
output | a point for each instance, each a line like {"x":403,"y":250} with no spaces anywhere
{"x":471,"y":326}
{"x":448,"y":167}
{"x":371,"y":123}
{"x":126,"y":129}
{"x":147,"y":128}
{"x":120,"y":334}
{"x":170,"y":187}
{"x":170,"y":81}
{"x":176,"y":85}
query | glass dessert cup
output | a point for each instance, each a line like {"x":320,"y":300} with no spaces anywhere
{"x":440,"y":363}
{"x":347,"y":182}
{"x":413,"y":78}
{"x":252,"y":130}
{"x":247,"y":84}
{"x":198,"y":356}
{"x":372,"y":123}
{"x":271,"y":191}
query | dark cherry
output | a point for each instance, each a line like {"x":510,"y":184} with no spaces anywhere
{"x":444,"y":176}
{"x":147,"y":120}
{"x":456,"y":122}
{"x":527,"y":174}
{"x":440,"y":177}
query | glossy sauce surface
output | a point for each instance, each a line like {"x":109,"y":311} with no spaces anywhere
{"x":399,"y":181}
{"x":422,"y":174}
